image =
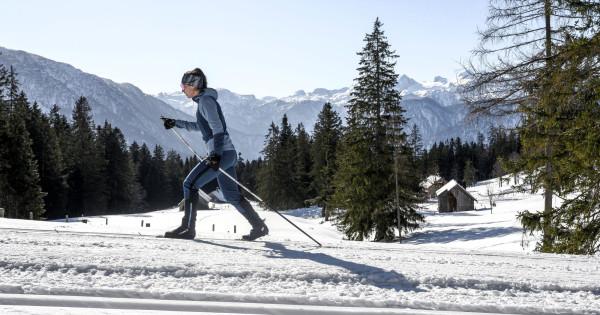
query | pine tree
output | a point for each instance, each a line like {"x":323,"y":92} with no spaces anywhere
{"x":276,"y":181}
{"x":174,"y":177}
{"x":327,"y":133}
{"x":374,"y":140}
{"x":86,"y":180}
{"x":267,"y":186}
{"x":20,"y":181}
{"x":469,"y":174}
{"x":303,"y":165}
{"x":156,"y":180}
{"x":119,"y":173}
{"x":415,"y":155}
{"x":49,"y":157}
{"x":415,"y":142}
{"x":144,"y":167}
{"x":285,"y":166}
{"x":4,"y":136}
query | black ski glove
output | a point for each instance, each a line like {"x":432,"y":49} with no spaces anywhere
{"x":168,"y":122}
{"x":214,"y":161}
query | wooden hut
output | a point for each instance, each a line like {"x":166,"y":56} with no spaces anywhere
{"x":454,"y":197}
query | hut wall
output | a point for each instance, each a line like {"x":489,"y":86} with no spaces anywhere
{"x":443,"y":202}
{"x":463,"y":201}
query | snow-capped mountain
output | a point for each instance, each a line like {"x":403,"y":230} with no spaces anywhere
{"x":435,"y":107}
{"x":123,"y":105}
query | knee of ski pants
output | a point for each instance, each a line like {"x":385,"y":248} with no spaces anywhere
{"x":189,"y":184}
{"x":202,"y":174}
{"x":229,"y":188}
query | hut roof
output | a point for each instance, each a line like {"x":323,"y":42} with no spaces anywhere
{"x":451,"y":184}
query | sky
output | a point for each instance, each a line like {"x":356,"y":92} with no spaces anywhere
{"x":260,"y":47}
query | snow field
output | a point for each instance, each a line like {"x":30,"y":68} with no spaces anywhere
{"x":459,"y":262}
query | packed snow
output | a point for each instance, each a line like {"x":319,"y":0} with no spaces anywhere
{"x":475,"y":261}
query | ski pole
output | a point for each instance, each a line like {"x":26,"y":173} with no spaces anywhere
{"x":244,"y":187}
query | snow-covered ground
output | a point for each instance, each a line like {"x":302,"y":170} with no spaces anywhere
{"x":476,"y":261}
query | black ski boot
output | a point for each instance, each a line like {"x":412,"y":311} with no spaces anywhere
{"x":259,"y":228}
{"x":181,"y":232}
{"x":187,"y":230}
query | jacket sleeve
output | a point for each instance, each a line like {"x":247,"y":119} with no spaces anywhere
{"x":188,"y":125}
{"x":214,"y":122}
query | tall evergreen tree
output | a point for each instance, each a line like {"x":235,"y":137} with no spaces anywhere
{"x":365,"y":181}
{"x":21,"y":193}
{"x":174,"y":177}
{"x":157,"y":181}
{"x":469,"y":177}
{"x":267,"y":187}
{"x":303,"y":165}
{"x":276,"y":180}
{"x":143,"y":170}
{"x":5,"y":189}
{"x":86,"y":180}
{"x":326,"y":136}
{"x":119,"y":173}
{"x":49,"y":157}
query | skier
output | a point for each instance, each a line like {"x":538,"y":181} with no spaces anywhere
{"x":211,"y":123}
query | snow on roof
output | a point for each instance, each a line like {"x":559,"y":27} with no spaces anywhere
{"x":430,"y":180}
{"x":451,"y":184}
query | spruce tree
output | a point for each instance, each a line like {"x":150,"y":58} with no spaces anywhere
{"x":49,"y":156}
{"x":119,"y":173}
{"x":144,"y":167}
{"x":469,"y":177}
{"x":276,"y":179}
{"x":86,"y":179}
{"x":303,"y":165}
{"x":174,"y":177}
{"x":20,"y":181}
{"x":374,"y":140}
{"x":267,"y":186}
{"x":4,"y":136}
{"x":156,"y":180}
{"x":327,"y":133}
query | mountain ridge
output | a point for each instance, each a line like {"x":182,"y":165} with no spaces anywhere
{"x":435,"y":107}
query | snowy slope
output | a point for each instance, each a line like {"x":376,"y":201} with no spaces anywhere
{"x":125,"y":106}
{"x":459,"y":262}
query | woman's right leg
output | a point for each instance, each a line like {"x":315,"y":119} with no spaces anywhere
{"x":200,"y":175}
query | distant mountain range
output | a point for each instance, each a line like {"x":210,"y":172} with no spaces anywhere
{"x":434,"y":106}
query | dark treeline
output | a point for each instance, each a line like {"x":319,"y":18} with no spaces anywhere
{"x":301,"y":166}
{"x":298,"y":168}
{"x":468,"y":162}
{"x":52,"y":166}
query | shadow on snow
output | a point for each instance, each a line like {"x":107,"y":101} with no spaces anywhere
{"x":451,"y":235}
{"x":366,"y":274}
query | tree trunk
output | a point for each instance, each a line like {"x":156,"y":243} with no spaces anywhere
{"x":548,"y":186}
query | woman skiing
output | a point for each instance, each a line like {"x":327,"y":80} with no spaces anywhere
{"x":211,"y":123}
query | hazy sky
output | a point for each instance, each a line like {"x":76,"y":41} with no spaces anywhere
{"x":262,"y":47}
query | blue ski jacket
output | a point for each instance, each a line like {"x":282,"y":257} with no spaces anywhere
{"x":210,"y":122}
